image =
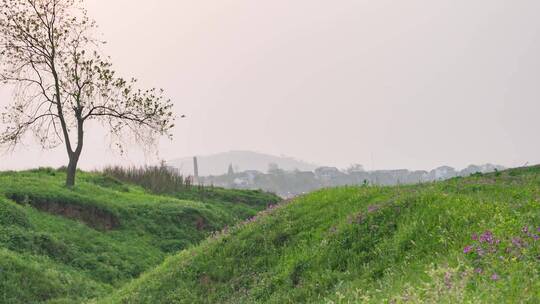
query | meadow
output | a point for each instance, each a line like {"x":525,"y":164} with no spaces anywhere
{"x":466,"y":240}
{"x":60,"y":245}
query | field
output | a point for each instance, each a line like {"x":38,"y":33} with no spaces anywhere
{"x":466,"y":240}
{"x":60,"y":245}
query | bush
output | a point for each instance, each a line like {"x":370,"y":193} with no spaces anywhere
{"x":157,"y":179}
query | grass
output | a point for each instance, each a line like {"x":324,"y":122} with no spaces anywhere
{"x":158,"y":179}
{"x":466,"y":240}
{"x":60,"y":245}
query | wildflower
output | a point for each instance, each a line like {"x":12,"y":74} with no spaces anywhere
{"x":517,"y":242}
{"x":467,"y":249}
{"x":495,"y":277}
{"x":478,"y":271}
{"x":474,"y":237}
{"x":538,"y":229}
{"x":487,"y":237}
{"x":525,"y":229}
{"x":536,"y":237}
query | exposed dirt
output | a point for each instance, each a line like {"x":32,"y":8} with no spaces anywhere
{"x":91,"y":216}
{"x":201,"y":224}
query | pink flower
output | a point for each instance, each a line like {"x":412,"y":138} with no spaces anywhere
{"x":495,"y":277}
{"x":467,"y":249}
{"x":487,"y":237}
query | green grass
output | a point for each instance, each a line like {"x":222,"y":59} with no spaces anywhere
{"x":123,"y":231}
{"x":400,"y":244}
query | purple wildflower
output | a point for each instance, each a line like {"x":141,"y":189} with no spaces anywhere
{"x":538,"y":229}
{"x":495,"y":277}
{"x":525,"y":229}
{"x":475,"y":237}
{"x":467,"y":249}
{"x":487,"y":237}
{"x":478,"y":271}
{"x":517,"y":242}
{"x":536,"y":237}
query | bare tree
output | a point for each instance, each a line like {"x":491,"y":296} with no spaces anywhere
{"x":49,"y":55}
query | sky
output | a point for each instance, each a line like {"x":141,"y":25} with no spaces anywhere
{"x":388,"y":84}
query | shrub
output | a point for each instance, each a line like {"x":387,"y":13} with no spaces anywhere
{"x":157,"y":179}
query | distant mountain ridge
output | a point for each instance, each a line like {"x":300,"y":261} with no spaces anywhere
{"x":218,"y":164}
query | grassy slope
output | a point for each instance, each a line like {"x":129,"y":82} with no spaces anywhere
{"x":45,"y":257}
{"x":369,"y":245}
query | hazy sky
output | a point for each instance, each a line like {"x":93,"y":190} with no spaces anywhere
{"x":388,"y":84}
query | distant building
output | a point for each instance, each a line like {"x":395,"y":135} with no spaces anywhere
{"x":291,"y":183}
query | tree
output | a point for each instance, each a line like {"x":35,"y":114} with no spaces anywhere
{"x":273,"y":169}
{"x":49,"y":55}
{"x":355,"y":168}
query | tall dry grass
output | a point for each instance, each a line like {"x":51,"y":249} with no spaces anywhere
{"x":158,"y":179}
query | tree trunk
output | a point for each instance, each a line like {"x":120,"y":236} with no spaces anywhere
{"x":72,"y":170}
{"x":75,"y":155}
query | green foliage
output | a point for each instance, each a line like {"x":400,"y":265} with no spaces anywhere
{"x":52,"y":249}
{"x":406,"y":244}
{"x":33,"y":279}
{"x":163,"y":180}
{"x":12,"y":215}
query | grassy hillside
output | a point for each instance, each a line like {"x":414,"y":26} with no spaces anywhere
{"x":465,"y":240}
{"x":64,"y":246}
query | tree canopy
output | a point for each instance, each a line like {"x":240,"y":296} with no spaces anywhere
{"x":51,"y":56}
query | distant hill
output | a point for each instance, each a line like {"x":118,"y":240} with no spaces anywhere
{"x":218,"y":164}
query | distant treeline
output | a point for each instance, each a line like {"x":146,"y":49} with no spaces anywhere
{"x":292,"y":183}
